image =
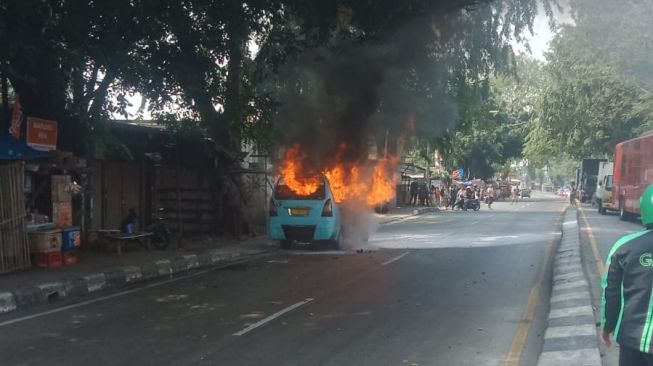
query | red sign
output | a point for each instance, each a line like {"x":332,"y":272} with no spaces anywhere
{"x":16,"y":118}
{"x":41,"y":133}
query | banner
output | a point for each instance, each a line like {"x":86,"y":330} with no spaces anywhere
{"x":16,"y":119}
{"x":41,"y":134}
{"x":458,"y":173}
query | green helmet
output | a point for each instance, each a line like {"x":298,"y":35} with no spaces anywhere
{"x":646,"y":206}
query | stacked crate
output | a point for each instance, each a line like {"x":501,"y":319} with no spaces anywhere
{"x":45,"y":246}
{"x":62,"y":216}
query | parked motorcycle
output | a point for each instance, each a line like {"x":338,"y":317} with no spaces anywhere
{"x":161,"y":233}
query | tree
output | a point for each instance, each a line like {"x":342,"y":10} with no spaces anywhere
{"x":596,"y":94}
{"x":493,"y":126}
{"x":78,"y":61}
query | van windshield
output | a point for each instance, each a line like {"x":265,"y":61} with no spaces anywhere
{"x":283,"y":192}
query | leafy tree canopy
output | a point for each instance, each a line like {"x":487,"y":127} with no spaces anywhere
{"x":596,"y":93}
{"x":78,"y":61}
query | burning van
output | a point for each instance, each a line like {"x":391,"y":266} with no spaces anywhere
{"x":305,"y":216}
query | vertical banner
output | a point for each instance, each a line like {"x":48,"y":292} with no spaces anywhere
{"x":16,"y":118}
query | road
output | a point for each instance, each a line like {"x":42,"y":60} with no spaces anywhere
{"x":598,"y":235}
{"x":461,"y":288}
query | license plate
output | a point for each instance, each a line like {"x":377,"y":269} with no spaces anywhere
{"x":298,"y":211}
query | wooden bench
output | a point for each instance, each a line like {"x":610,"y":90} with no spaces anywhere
{"x":143,"y":238}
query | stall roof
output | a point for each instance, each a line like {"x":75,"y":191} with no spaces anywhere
{"x":12,"y":149}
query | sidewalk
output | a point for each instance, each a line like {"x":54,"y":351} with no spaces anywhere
{"x":102,"y":270}
{"x":399,"y":213}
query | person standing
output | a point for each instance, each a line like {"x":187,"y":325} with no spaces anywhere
{"x":489,"y":196}
{"x":444,"y":197}
{"x":453,"y":196}
{"x":413,"y":192}
{"x":515,"y":195}
{"x":572,"y":195}
{"x":627,"y":306}
{"x":422,"y":192}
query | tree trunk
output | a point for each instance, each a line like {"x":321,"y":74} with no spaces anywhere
{"x":233,"y":106}
{"x":5,"y":118}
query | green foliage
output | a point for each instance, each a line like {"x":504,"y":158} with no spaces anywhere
{"x":491,"y":133}
{"x":597,"y":93}
{"x":79,"y":61}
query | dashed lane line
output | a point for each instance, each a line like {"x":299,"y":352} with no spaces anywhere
{"x":394,"y":259}
{"x":273,"y":316}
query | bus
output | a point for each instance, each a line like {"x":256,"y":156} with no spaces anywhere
{"x":633,"y":172}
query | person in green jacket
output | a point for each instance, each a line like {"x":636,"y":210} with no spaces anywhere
{"x":627,"y":306}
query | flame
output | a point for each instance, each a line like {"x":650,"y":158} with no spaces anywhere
{"x":349,"y":181}
{"x":294,"y":172}
{"x":384,"y":183}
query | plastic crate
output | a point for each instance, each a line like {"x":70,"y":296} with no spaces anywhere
{"x":70,"y":257}
{"x":70,"y":239}
{"x":48,"y":260}
{"x":45,"y":241}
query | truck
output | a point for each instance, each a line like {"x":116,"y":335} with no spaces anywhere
{"x":604,"y":187}
{"x":633,"y":172}
{"x":586,"y":178}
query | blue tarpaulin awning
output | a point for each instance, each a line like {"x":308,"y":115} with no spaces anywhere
{"x":12,"y":149}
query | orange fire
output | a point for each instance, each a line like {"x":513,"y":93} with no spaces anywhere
{"x":359,"y":182}
{"x":292,"y":169}
{"x":383,"y":186}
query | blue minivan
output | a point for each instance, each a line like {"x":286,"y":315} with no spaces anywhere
{"x":307,"y":219}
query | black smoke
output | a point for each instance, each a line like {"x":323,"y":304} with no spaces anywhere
{"x":357,"y":94}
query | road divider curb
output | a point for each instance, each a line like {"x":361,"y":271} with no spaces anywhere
{"x":80,"y":286}
{"x":571,"y":337}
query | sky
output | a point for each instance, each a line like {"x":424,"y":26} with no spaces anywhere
{"x":542,"y":33}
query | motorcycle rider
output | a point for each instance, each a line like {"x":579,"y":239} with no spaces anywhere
{"x":627,"y":293}
{"x":460,"y":199}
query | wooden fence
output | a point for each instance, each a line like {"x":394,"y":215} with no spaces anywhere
{"x":14,"y":248}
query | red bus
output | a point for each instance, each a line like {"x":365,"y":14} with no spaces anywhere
{"x":633,"y":172}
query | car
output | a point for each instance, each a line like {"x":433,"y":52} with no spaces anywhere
{"x":525,"y":192}
{"x":315,"y":217}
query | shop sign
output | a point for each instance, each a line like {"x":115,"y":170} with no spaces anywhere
{"x":41,"y":133}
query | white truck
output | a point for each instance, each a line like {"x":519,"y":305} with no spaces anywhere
{"x":604,"y":187}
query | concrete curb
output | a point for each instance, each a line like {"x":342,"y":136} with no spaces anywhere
{"x":113,"y":278}
{"x":417,"y":211}
{"x":571,"y":337}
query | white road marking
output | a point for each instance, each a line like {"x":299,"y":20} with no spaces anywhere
{"x":395,"y":259}
{"x":273,"y":316}
{"x":474,"y":222}
{"x":118,"y":294}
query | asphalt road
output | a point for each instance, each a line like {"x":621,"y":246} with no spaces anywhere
{"x":598,"y":235}
{"x":437,"y":289}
